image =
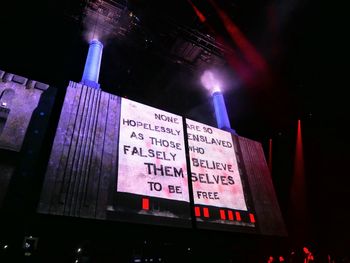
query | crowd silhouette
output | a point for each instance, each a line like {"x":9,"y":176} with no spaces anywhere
{"x":305,"y":255}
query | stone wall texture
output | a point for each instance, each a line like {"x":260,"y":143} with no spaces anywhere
{"x":82,"y":169}
{"x":84,"y":154}
{"x":18,"y":99}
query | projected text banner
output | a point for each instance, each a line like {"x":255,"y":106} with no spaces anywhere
{"x":215,"y":176}
{"x":152,"y":159}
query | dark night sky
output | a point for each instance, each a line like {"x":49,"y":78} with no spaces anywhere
{"x":307,"y":61}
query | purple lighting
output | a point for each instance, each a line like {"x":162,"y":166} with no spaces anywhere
{"x":210,"y":82}
{"x":214,"y":85}
{"x":222,"y":119}
{"x":93,"y":64}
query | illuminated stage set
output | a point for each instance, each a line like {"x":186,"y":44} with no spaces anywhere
{"x":116,"y":159}
{"x":120,"y":161}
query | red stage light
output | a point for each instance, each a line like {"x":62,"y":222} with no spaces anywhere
{"x":201,"y":17}
{"x":298,"y":185}
{"x":242,"y":42}
{"x":145,"y":203}
{"x":270,"y":155}
{"x":243,"y":70}
{"x":298,"y":201}
{"x":238,"y":216}
{"x":206,"y":212}
{"x":197,"y":211}
{"x":252,"y":218}
{"x":222,"y":214}
{"x":230,"y":215}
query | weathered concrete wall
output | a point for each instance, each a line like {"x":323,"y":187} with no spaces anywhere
{"x":82,"y":169}
{"x":18,"y":99}
{"x":84,"y":154}
{"x":268,"y":212}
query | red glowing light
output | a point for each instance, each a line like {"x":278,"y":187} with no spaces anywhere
{"x":222,"y":214}
{"x":145,"y":203}
{"x":197,"y":211}
{"x":298,"y":184}
{"x":206,"y":212}
{"x":198,"y":13}
{"x":242,"y":42}
{"x":299,"y":151}
{"x":252,"y":218}
{"x":298,"y":203}
{"x":242,"y":69}
{"x":270,"y":155}
{"x":238,"y":216}
{"x":230,"y":215}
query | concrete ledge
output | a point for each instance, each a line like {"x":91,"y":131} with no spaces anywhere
{"x":41,"y":86}
{"x":6,"y":76}
{"x":19,"y":79}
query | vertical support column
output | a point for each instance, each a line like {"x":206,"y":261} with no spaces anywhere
{"x":222,"y":119}
{"x":93,"y":64}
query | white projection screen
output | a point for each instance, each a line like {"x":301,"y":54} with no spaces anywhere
{"x":152,"y":168}
{"x":218,"y":192}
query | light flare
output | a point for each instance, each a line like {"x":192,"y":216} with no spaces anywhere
{"x":211,"y":82}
